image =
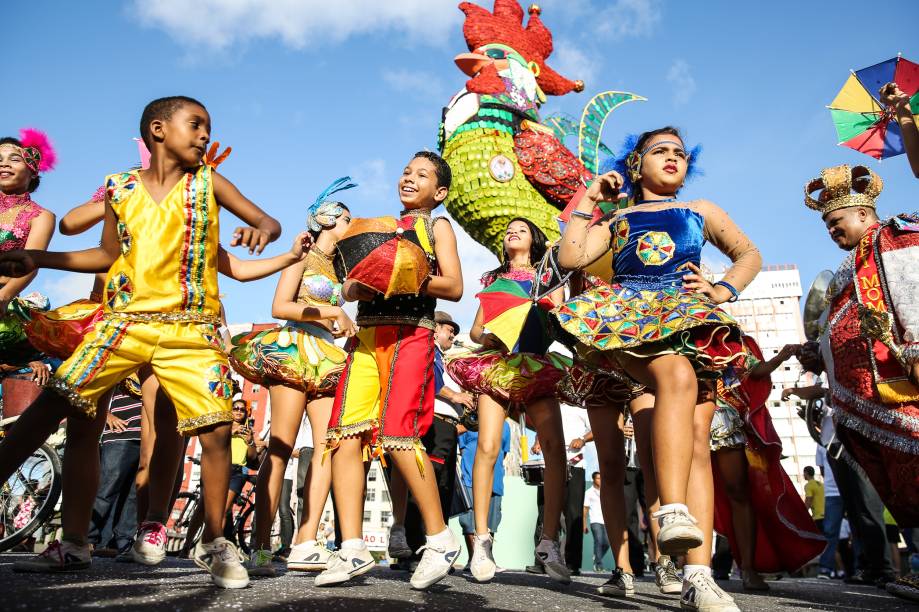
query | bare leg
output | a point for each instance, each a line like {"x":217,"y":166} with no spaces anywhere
{"x":675,"y":391}
{"x":287,"y":406}
{"x":165,"y":449}
{"x":547,"y":420}
{"x":732,"y":464}
{"x":424,"y":489}
{"x":606,"y":425}
{"x":491,"y":426}
{"x":215,"y":477}
{"x":349,"y":483}
{"x":80,"y":475}
{"x":319,"y":477}
{"x":398,"y":493}
{"x":642,"y":409}
{"x":30,"y":431}
{"x":701,"y":494}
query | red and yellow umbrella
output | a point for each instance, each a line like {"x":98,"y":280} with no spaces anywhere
{"x":862,"y":123}
{"x":386,"y":254}
{"x":508,"y":308}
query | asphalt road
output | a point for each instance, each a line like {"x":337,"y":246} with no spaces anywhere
{"x":180,"y":585}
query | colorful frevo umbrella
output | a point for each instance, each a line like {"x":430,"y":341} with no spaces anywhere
{"x":508,"y":309}
{"x":862,"y":122}
{"x":387,"y":254}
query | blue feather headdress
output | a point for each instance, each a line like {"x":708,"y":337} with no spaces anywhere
{"x":621,"y":163}
{"x":324,"y":213}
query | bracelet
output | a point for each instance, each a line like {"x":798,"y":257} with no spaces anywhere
{"x":582,"y":215}
{"x":734,"y":294}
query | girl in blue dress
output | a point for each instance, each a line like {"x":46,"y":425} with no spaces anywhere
{"x":659,"y":320}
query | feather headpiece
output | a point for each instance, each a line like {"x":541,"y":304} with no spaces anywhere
{"x":324,"y":213}
{"x":37,"y":150}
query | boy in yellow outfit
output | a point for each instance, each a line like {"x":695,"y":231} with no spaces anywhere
{"x":161,"y":308}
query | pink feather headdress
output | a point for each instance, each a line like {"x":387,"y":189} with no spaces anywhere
{"x":38,"y":150}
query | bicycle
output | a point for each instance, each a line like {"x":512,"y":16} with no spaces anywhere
{"x":177,"y":535}
{"x":29,"y":497}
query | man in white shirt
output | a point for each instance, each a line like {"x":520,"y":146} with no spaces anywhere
{"x":593,"y":517}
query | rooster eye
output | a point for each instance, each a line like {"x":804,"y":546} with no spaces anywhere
{"x":497,"y":54}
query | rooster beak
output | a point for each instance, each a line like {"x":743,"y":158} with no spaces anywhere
{"x":472,"y":63}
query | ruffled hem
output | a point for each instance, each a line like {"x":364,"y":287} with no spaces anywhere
{"x":727,"y":429}
{"x":187,"y":426}
{"x":70,"y":393}
{"x":289,"y":355}
{"x":584,"y":386}
{"x":616,"y":317}
{"x":514,"y":377}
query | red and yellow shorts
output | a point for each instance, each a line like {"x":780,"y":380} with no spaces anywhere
{"x":186,"y":358}
{"x":386,"y":391}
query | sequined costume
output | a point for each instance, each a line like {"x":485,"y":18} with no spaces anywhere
{"x":528,"y":374}
{"x":786,"y":536}
{"x":386,"y":391}
{"x":875,"y":406}
{"x":645,"y":311}
{"x":161,"y":304}
{"x":298,"y":354}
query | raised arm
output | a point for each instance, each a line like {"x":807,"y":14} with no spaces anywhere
{"x":40,"y":230}
{"x":253,"y":269}
{"x":448,"y":285}
{"x":894,"y":98}
{"x":286,"y":306}
{"x":765,"y":368}
{"x":583,"y":242}
{"x":262,"y":229}
{"x":79,"y":219}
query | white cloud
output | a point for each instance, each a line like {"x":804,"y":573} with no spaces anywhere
{"x":371,"y":178}
{"x":222,"y":24}
{"x":475,"y":260}
{"x":570,"y":61}
{"x":680,"y":77}
{"x":628,"y":18}
{"x":65,"y":288}
{"x":415,"y":84}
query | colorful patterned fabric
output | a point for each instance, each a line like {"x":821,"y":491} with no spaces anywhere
{"x":727,"y":429}
{"x":585,"y":385}
{"x":300,"y":355}
{"x":517,"y":378}
{"x":168,"y":261}
{"x":16,"y":214}
{"x":59,"y":332}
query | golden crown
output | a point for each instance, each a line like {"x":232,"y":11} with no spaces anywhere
{"x":843,"y":187}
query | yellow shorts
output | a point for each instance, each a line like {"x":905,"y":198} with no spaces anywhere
{"x":186,"y":358}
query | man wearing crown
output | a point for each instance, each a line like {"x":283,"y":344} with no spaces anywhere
{"x":870,"y":340}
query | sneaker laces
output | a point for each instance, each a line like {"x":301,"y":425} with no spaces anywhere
{"x":154,"y":533}
{"x":482,"y":552}
{"x":667,"y":568}
{"x":54,"y":552}
{"x":226,"y":553}
{"x":668,"y":516}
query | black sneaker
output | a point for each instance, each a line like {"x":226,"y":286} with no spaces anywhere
{"x":619,"y":584}
{"x":536,"y":568}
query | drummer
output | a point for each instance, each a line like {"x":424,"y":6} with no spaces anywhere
{"x":578,"y":442}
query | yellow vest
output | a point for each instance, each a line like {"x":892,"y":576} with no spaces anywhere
{"x":168,"y":261}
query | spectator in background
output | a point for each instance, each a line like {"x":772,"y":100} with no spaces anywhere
{"x":114,"y":519}
{"x":302,"y":453}
{"x":468,"y":442}
{"x":813,"y":496}
{"x":832,"y":516}
{"x":893,"y":539}
{"x":593,"y":522}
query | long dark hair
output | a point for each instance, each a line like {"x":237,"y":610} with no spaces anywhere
{"x":33,"y":184}
{"x":640,"y":145}
{"x":537,"y":250}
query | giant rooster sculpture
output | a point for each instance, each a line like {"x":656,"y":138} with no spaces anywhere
{"x":506,"y":162}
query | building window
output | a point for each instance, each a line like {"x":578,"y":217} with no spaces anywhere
{"x":256,"y":388}
{"x":385,"y":517}
{"x":367,"y":516}
{"x":372,"y":476}
{"x":386,"y":496}
{"x":371,"y":495}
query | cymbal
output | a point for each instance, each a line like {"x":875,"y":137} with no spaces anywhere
{"x":815,"y":303}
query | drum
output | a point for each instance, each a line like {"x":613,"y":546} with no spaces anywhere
{"x":19,"y":391}
{"x":534,"y":472}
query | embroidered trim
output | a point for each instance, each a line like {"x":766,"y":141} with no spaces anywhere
{"x":180,"y":316}
{"x":352,"y":431}
{"x":879,"y":412}
{"x":374,"y":320}
{"x":886,"y":437}
{"x":70,"y":393}
{"x":400,"y":443}
{"x":188,"y":425}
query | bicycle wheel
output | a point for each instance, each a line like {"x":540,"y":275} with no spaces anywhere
{"x":243,"y":526}
{"x":176,"y":536}
{"x":28,"y":497}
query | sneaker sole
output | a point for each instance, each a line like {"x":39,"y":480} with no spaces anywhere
{"x":671,"y":589}
{"x":615,"y":592}
{"x":297,"y":566}
{"x":420,"y":586}
{"x":146,"y":559}
{"x":230,"y":583}
{"x":50,"y":569}
{"x":679,"y":542}
{"x":401,"y":553}
{"x":483,"y":578}
{"x":557,"y":575}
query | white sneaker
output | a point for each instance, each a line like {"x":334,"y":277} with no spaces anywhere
{"x":309,"y":557}
{"x":619,"y":584}
{"x":58,"y":557}
{"x":666,"y":577}
{"x":482,"y":564}
{"x":259,"y":564}
{"x":701,"y":593}
{"x":678,"y":532}
{"x":344,"y":565}
{"x":550,"y":557}
{"x":221,"y":559}
{"x":435,"y":562}
{"x":398,"y":544}
{"x":149,"y":544}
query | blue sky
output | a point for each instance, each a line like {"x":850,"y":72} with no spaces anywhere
{"x":305,"y":94}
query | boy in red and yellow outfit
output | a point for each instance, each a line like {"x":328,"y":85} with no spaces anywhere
{"x":385,"y":398}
